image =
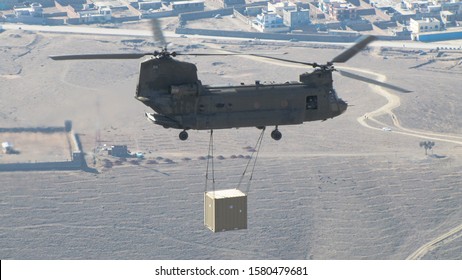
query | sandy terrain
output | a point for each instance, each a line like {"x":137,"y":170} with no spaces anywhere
{"x":340,"y":189}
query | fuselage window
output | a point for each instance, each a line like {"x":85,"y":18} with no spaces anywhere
{"x":312,"y":102}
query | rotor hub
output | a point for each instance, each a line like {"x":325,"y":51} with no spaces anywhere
{"x":164,"y":53}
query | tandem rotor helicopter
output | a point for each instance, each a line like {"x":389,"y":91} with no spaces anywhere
{"x":172,"y":89}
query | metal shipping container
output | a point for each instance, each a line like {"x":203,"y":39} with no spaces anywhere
{"x":225,"y":210}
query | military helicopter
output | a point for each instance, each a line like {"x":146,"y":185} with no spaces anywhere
{"x":172,"y":89}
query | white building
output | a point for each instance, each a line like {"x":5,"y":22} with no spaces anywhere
{"x":418,"y":5}
{"x":95,"y":15}
{"x":279,"y":7}
{"x":34,"y":10}
{"x":269,"y":22}
{"x":424,"y":25}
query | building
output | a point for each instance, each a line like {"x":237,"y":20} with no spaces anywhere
{"x":118,"y":151}
{"x":188,"y":6}
{"x":93,"y":14}
{"x":232,"y":3}
{"x":71,"y":2}
{"x":417,"y":5}
{"x":279,"y":7}
{"x":448,"y":18}
{"x":424,"y":25}
{"x":338,"y":9}
{"x":10,"y":4}
{"x":112,"y":4}
{"x":36,"y":13}
{"x":34,"y":10}
{"x":281,"y":17}
{"x":253,"y":11}
{"x":269,"y":22}
{"x":452,"y":11}
{"x":148,"y":5}
{"x":296,"y":18}
{"x":454,"y":6}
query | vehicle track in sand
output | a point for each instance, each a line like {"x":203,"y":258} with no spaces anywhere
{"x":393,"y":102}
{"x":435,"y":243}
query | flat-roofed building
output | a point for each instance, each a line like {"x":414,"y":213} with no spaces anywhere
{"x":424,"y":25}
{"x":231,"y":3}
{"x":194,"y":5}
{"x":269,"y":22}
{"x":296,"y":18}
{"x":338,"y":9}
{"x":10,"y":4}
{"x":279,"y":7}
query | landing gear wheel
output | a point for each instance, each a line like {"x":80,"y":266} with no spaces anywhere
{"x":183,"y":135}
{"x":276,"y":134}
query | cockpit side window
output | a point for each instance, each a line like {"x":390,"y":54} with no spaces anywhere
{"x":312,"y":102}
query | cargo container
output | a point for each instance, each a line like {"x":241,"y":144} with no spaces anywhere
{"x":225,"y":210}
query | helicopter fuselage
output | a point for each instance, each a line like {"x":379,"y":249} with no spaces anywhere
{"x":171,"y":88}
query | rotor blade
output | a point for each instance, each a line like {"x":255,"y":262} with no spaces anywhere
{"x":251,"y":54}
{"x":99,"y":56}
{"x":286,"y":60}
{"x":217,"y":54}
{"x":158,"y":33}
{"x":371,"y":81}
{"x":209,"y":54}
{"x":360,"y":44}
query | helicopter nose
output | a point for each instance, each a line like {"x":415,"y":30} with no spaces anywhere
{"x":342,"y":106}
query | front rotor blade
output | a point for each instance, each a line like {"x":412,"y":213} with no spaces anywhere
{"x":371,"y":81}
{"x":220,"y":54}
{"x":99,"y":56}
{"x":286,"y":60}
{"x":157,"y":33}
{"x":362,"y":42}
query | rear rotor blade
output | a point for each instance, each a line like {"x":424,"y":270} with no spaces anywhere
{"x":362,"y":42}
{"x":99,"y":56}
{"x":158,"y":33}
{"x":371,"y":81}
{"x":286,"y":60}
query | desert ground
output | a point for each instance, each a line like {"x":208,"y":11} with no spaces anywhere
{"x":345,"y":188}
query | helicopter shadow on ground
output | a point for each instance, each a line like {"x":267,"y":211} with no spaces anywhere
{"x":437,"y":156}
